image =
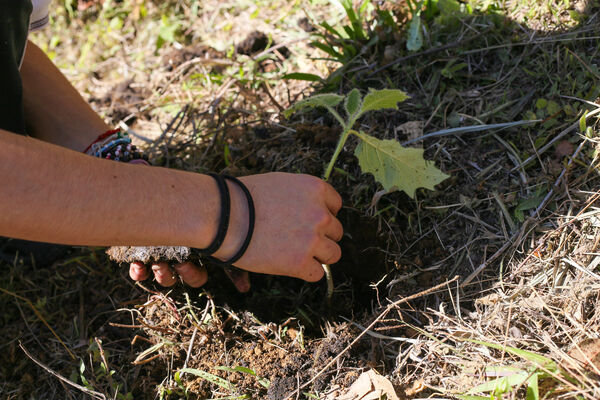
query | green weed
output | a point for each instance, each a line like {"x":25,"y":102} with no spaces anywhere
{"x":512,"y":377}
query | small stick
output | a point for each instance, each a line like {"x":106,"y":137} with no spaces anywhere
{"x":483,"y":265}
{"x":93,"y":393}
{"x":369,"y":328}
{"x":117,"y":325}
{"x":189,"y":351}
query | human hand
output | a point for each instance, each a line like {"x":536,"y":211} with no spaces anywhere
{"x":191,"y":274}
{"x":296,"y":228}
{"x":116,"y":145}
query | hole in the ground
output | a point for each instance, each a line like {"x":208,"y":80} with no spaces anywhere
{"x":276,"y":299}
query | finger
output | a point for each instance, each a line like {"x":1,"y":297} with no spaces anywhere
{"x":191,"y":274}
{"x":327,"y":251}
{"x":138,"y":271}
{"x":163,"y":274}
{"x":239,"y":278}
{"x":313,"y":272}
{"x":334,"y":229}
{"x":333,"y":200}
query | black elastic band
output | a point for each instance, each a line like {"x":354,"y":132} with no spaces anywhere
{"x":225,"y":212}
{"x":251,"y":219}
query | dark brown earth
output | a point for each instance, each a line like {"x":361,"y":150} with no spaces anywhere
{"x":394,"y":246}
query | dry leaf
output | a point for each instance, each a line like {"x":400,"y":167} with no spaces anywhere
{"x":369,"y":386}
{"x":412,"y":129}
{"x":587,"y":353}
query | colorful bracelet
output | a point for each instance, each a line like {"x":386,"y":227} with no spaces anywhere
{"x":116,"y":145}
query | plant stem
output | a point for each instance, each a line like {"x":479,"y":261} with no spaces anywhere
{"x":340,"y":145}
{"x":329,"y":279}
{"x":341,"y":142}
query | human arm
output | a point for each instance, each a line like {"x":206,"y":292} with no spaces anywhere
{"x":54,"y":109}
{"x":56,"y":195}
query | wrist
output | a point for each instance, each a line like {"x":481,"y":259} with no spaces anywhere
{"x":238,"y":224}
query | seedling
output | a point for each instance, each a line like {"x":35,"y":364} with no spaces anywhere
{"x":394,"y":166}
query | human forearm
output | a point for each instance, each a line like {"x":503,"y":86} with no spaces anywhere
{"x":52,"y":194}
{"x":56,"y":195}
{"x":55,"y":111}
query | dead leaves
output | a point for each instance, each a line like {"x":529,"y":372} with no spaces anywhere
{"x":369,"y":386}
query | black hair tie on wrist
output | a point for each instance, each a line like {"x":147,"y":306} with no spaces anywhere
{"x":225,"y":212}
{"x":251,"y":220}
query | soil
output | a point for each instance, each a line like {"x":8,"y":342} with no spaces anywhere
{"x":283,"y":330}
{"x":256,"y":42}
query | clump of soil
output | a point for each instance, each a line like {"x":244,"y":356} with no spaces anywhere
{"x":147,"y":254}
{"x":176,"y":57}
{"x":255,"y":42}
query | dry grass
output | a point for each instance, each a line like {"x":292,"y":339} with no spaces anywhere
{"x":521,"y":238}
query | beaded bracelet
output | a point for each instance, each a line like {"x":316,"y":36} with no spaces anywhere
{"x":116,"y":145}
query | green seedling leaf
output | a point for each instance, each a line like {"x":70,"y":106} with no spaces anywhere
{"x":532,"y":357}
{"x":381,"y":99}
{"x":352,"y":102}
{"x":238,"y":368}
{"x":541,"y":103}
{"x":552,"y":107}
{"x":331,"y":29}
{"x":395,"y":166}
{"x":167,"y":31}
{"x":414,"y":40}
{"x":449,"y":7}
{"x":206,"y":376}
{"x":583,"y":122}
{"x":531,"y":202}
{"x":301,"y":76}
{"x":320,"y":100}
{"x":533,"y":391}
{"x":264,"y":382}
{"x":502,"y":384}
{"x":327,"y":49}
{"x":349,"y":32}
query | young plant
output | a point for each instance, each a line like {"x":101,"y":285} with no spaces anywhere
{"x":394,"y":166}
{"x":343,"y":45}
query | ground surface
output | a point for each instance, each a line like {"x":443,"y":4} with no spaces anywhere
{"x":517,"y":222}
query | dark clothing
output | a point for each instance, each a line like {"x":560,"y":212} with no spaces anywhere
{"x":14,"y":27}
